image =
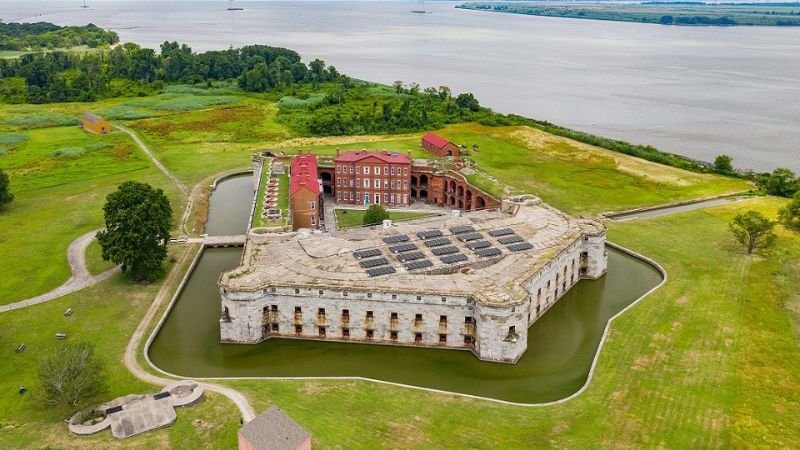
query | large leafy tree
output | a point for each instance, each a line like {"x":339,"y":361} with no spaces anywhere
{"x":138,"y":219}
{"x":780,"y":182}
{"x":375,"y":214}
{"x":790,"y":215}
{"x":71,"y":376}
{"x":5,"y":191}
{"x":753,"y":230}
{"x":723,"y":164}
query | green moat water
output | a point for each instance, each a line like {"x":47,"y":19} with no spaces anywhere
{"x":561,"y":345}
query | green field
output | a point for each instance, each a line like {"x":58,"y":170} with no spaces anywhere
{"x":710,"y":360}
{"x":350,"y":218}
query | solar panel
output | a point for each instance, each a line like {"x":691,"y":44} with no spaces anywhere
{"x":469,"y":237}
{"x":520,"y":247}
{"x":462,"y":229}
{"x":429,"y":234}
{"x":416,"y":265}
{"x":501,"y":232}
{"x":366,"y":253}
{"x":373,"y":262}
{"x":488,"y":252}
{"x":402,"y":248}
{"x":410,"y":256}
{"x":439,"y":251}
{"x":452,"y":259}
{"x":477,"y":245}
{"x":395,"y":239}
{"x":510,"y":239}
{"x":437,"y":242}
{"x":381,"y":271}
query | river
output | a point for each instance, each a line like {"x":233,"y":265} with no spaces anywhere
{"x":697,"y":91}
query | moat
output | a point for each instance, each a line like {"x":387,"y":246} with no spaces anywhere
{"x":561,"y":345}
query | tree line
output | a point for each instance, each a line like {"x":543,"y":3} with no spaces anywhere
{"x":43,"y":35}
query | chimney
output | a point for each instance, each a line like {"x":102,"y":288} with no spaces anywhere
{"x":337,"y":152}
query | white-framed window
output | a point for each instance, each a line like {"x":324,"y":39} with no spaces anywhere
{"x":366,"y":198}
{"x":312,"y":205}
{"x":385,"y":198}
{"x":358,"y":182}
{"x":405,"y":171}
{"x":405,"y":184}
{"x":351,"y":169}
{"x":338,"y":196}
{"x":392,"y":184}
{"x":351,"y":182}
{"x":385,"y":170}
{"x":377,"y":170}
{"x":392,"y":198}
{"x":377,"y":198}
{"x":405,"y":198}
{"x":366,"y":170}
{"x":392,"y":170}
{"x":338,"y":169}
{"x":377,"y":183}
{"x":338,"y":182}
{"x":385,"y":183}
{"x":313,"y":220}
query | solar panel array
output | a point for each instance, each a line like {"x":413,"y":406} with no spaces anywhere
{"x":437,"y":242}
{"x":510,"y":239}
{"x":477,"y":245}
{"x":388,"y":270}
{"x":395,"y":239}
{"x":373,"y":262}
{"x":410,"y":256}
{"x":520,"y":247}
{"x":366,"y":253}
{"x":488,"y":252}
{"x":452,"y":259}
{"x":462,"y":229}
{"x":469,"y":237}
{"x":402,"y":248}
{"x":439,"y":251}
{"x":417,"y":265}
{"x":501,"y":232}
{"x":429,"y":234}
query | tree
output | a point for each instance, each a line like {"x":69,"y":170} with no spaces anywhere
{"x":468,"y":101}
{"x":753,"y":230}
{"x":256,"y":79}
{"x":723,"y":164}
{"x":6,"y":196}
{"x":780,"y":182}
{"x":790,"y":215}
{"x":375,"y":214}
{"x":71,"y":376}
{"x":398,"y":87}
{"x":138,"y":219}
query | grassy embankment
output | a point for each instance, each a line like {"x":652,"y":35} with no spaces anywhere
{"x":709,"y":360}
{"x":350,"y":218}
{"x":776,"y":14}
{"x":106,"y":315}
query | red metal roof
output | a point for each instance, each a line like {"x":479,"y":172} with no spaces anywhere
{"x":303,"y":174}
{"x":436,"y":140}
{"x":391,"y":158}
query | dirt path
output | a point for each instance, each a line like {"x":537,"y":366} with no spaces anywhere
{"x":132,"y":364}
{"x":81,"y":277}
{"x":182,"y":187}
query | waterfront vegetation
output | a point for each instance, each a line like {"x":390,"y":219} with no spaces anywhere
{"x":690,"y":13}
{"x":350,"y":218}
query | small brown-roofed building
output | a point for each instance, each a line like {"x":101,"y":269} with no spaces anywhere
{"x":439,"y":146}
{"x":273,"y":430}
{"x":95,"y":124}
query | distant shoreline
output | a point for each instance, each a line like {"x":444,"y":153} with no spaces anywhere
{"x":662,"y":13}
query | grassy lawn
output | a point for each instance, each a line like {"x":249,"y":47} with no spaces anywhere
{"x":105,"y":315}
{"x":60,"y":177}
{"x":349,"y":218}
{"x":710,"y":360}
{"x":94,"y":259}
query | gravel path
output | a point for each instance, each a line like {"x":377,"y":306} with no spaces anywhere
{"x":155,"y":160}
{"x":81,"y":277}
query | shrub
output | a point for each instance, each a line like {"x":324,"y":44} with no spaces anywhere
{"x":375,"y":214}
{"x":42,"y":120}
{"x":122,"y":112}
{"x":68,"y":152}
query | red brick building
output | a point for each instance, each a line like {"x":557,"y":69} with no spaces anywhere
{"x":304,"y":192}
{"x":439,"y":146}
{"x":365,"y":178}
